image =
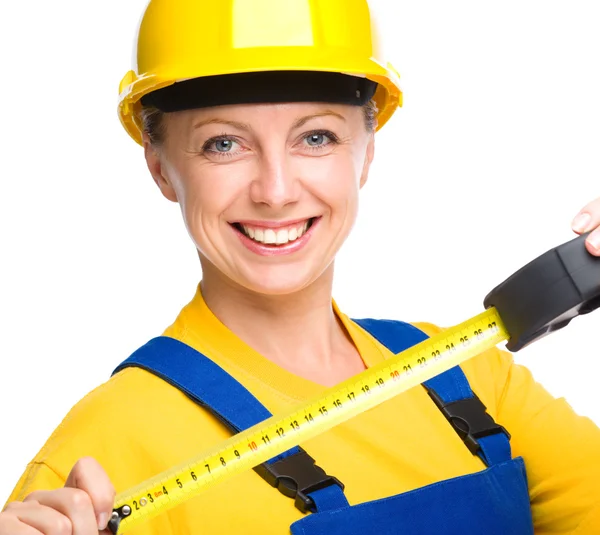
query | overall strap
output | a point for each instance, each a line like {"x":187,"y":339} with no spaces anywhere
{"x":452,"y":394}
{"x":293,"y":472}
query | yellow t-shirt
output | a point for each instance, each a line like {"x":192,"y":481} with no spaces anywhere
{"x":137,"y":425}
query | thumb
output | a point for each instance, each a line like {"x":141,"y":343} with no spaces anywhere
{"x":89,"y":476}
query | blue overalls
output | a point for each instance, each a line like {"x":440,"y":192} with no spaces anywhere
{"x":494,"y":501}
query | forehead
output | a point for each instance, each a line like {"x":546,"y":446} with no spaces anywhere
{"x":293,"y":114}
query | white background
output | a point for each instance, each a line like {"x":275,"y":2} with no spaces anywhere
{"x":494,"y":152}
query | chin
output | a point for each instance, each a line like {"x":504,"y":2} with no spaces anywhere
{"x":282,"y":281}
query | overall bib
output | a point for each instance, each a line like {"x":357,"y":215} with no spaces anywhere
{"x":494,"y":501}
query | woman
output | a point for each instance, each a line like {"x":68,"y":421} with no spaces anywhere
{"x":265,"y":142}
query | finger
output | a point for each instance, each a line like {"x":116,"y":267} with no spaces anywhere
{"x":592,"y":242}
{"x":75,"y":504}
{"x":33,"y":518}
{"x":588,"y":217}
{"x":89,"y":476}
{"x":13,"y":526}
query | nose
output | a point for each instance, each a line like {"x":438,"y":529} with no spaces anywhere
{"x":275,"y":184}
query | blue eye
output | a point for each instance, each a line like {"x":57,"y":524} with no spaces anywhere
{"x":223,"y":145}
{"x":315,"y":140}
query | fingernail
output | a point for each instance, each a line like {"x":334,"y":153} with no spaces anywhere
{"x":102,"y":521}
{"x":581,"y":222}
{"x":594,"y":240}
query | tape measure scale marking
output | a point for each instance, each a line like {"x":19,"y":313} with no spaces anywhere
{"x":281,"y":432}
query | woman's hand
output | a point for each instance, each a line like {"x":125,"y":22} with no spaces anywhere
{"x":588,"y":219}
{"x":82,"y":507}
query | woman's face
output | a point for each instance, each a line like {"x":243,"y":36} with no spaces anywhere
{"x":268,"y":192}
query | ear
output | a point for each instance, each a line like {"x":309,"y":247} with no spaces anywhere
{"x":157,"y":169}
{"x":370,"y":154}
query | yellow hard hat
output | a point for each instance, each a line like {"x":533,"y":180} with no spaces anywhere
{"x":180,"y":40}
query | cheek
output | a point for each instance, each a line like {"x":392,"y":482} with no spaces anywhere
{"x":334,"y":179}
{"x":206,"y":192}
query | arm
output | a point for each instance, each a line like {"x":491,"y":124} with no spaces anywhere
{"x":561,"y":450}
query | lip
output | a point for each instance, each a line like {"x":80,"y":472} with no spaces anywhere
{"x":271,"y":224}
{"x":279,"y":250}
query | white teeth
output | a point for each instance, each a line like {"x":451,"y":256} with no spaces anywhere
{"x":282,"y":237}
{"x":272,"y":236}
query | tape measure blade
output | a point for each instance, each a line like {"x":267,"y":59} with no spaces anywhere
{"x":281,"y":432}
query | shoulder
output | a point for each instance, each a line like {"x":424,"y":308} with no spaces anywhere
{"x":135,"y":425}
{"x":105,"y":415}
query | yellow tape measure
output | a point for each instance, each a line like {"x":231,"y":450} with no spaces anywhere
{"x":281,"y":432}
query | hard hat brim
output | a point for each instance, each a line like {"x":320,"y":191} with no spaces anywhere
{"x":135,"y":86}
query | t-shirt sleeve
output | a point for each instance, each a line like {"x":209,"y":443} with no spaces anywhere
{"x":37,"y":476}
{"x":561,"y":450}
{"x":127,"y":448}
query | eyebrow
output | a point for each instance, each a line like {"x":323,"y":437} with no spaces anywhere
{"x":244,"y":126}
{"x":304,"y":120}
{"x":235,"y":124}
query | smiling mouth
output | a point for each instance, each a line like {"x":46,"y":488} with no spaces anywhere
{"x":275,"y":236}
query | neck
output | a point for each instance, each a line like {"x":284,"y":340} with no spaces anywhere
{"x":299,"y":332}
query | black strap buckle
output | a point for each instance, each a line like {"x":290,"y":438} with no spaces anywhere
{"x":296,"y":476}
{"x":470,"y":420}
